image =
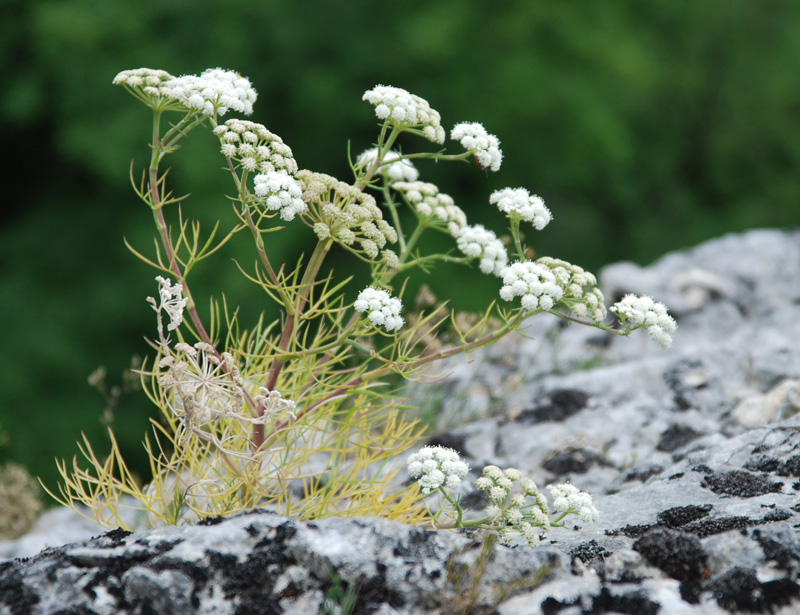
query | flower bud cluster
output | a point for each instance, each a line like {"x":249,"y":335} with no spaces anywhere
{"x":509,"y":510}
{"x":430,"y":203}
{"x":254,"y":148}
{"x":475,"y":139}
{"x":406,"y":110}
{"x":214,"y":92}
{"x":347,"y":214}
{"x":478,"y":242}
{"x":281,"y":193}
{"x":381,"y":308}
{"x":437,"y":467}
{"x":518,"y":203}
{"x":581,"y":295}
{"x":635,"y":312}
{"x":147,"y":84}
{"x":535,"y":283}
{"x":401,"y":170}
{"x":201,"y":385}
{"x":567,"y":499}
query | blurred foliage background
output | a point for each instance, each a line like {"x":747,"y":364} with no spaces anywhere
{"x":646,"y":127}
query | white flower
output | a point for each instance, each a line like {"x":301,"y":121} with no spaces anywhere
{"x":405,"y":110}
{"x":254,"y":147}
{"x":475,"y":139}
{"x":438,"y":207}
{"x":437,"y":466}
{"x":636,"y":312}
{"x":282,"y":193}
{"x":568,"y":498}
{"x":147,"y":84}
{"x":171,"y":300}
{"x":381,"y":308}
{"x":215,"y":91}
{"x":537,"y":285}
{"x":520,"y":203}
{"x":402,"y":170}
{"x":478,"y":242}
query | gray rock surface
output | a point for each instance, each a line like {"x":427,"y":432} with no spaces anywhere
{"x":692,"y":456}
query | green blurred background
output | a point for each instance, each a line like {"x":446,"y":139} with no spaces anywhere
{"x":646,"y":127}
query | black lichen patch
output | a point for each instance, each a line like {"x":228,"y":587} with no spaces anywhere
{"x":785,"y":554}
{"x":573,"y":461}
{"x":590,"y":552}
{"x":762,"y":463}
{"x":679,"y":554}
{"x":630,"y":603}
{"x":642,"y":474}
{"x":779,"y":514}
{"x":632,"y":531}
{"x":18,"y":598}
{"x":740,"y":483}
{"x":681,"y":515}
{"x":790,"y":467}
{"x":677,"y":436}
{"x":739,"y":590}
{"x":211,"y":520}
{"x":111,"y":539}
{"x":709,"y":527}
{"x":559,"y":405}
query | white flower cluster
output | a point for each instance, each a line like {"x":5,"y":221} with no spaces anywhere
{"x":635,"y":312}
{"x":401,"y":170}
{"x":254,"y":148}
{"x":430,"y":203}
{"x":203,"y":384}
{"x":150,"y":83}
{"x":382,"y":309}
{"x":171,"y":301}
{"x":435,"y":467}
{"x":519,"y":203}
{"x":568,"y":499}
{"x":347,"y":214}
{"x":282,"y":193}
{"x":535,"y":283}
{"x":581,"y":294}
{"x":406,"y":110}
{"x":508,"y":510}
{"x":475,"y":139}
{"x":478,"y":242}
{"x":215,"y":91}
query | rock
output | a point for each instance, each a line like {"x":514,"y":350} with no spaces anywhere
{"x":692,"y":456}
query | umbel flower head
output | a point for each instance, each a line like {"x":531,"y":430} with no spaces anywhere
{"x":518,"y":203}
{"x":535,"y":283}
{"x":581,"y":294}
{"x":479,"y":242}
{"x":568,"y":499}
{"x":281,"y":192}
{"x":435,"y":467}
{"x":381,"y":308}
{"x":635,"y":312}
{"x":406,"y":110}
{"x":148,"y":85}
{"x":401,"y":170}
{"x":474,"y":138}
{"x":214,"y":92}
{"x":429,"y":203}
{"x":254,"y":148}
{"x":171,"y":301}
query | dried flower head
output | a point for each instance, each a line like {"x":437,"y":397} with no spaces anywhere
{"x":474,"y":138}
{"x":406,"y":111}
{"x":381,"y":308}
{"x":400,"y":170}
{"x":171,"y":301}
{"x":479,"y":242}
{"x":201,"y":385}
{"x":436,"y":206}
{"x":635,"y":312}
{"x":519,"y":203}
